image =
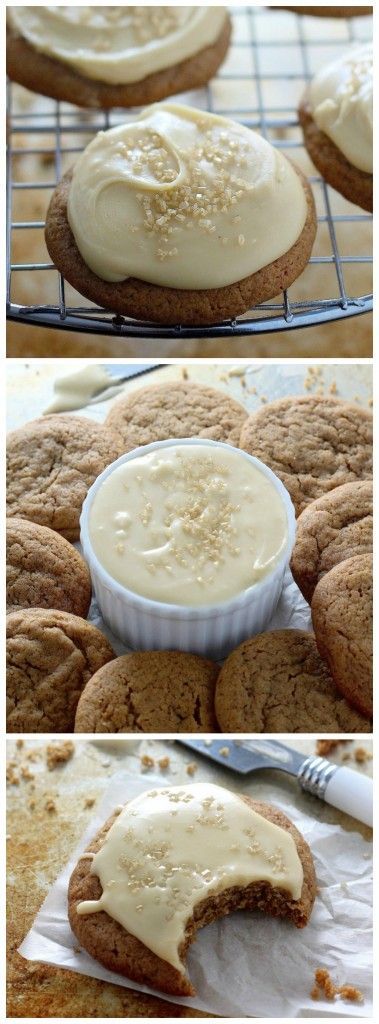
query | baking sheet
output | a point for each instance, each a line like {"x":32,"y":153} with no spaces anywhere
{"x":248,"y":964}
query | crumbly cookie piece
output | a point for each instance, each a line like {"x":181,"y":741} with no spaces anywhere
{"x":277,"y":682}
{"x":331,"y":529}
{"x":51,"y":463}
{"x":44,"y":570}
{"x":109,"y":943}
{"x":312,"y":443}
{"x":50,"y":657}
{"x":176,"y":410}
{"x":342,"y":621}
{"x":50,"y":77}
{"x":354,"y":184}
{"x":150,"y":691}
{"x":144,"y":301}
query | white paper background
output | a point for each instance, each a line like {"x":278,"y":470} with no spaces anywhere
{"x":248,"y":964}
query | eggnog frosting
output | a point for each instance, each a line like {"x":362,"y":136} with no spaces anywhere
{"x":341,"y":104}
{"x":185,"y":199}
{"x":169,"y":849}
{"x":119,"y":45}
{"x":188,"y":524}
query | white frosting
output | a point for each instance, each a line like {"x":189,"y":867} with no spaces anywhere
{"x":119,"y":45}
{"x":188,"y":524}
{"x":341,"y":104}
{"x":185,"y":199}
{"x":169,"y":849}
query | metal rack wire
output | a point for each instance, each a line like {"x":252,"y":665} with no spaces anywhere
{"x":53,"y":130}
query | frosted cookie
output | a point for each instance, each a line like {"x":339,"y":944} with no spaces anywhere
{"x":205,"y":852}
{"x":44,"y":570}
{"x":166,"y":218}
{"x":331,"y":12}
{"x":115,"y":56}
{"x":277,"y":682}
{"x":331,"y":529}
{"x":161,"y":411}
{"x":342,"y":621}
{"x":51,"y":463}
{"x":150,"y":691}
{"x":337,"y":122}
{"x":312,"y":443}
{"x":51,"y":655}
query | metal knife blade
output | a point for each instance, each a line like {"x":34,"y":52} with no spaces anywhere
{"x":244,"y":756}
{"x":126,"y":370}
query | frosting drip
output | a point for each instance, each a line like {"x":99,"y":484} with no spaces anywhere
{"x":169,"y":849}
{"x":341,"y":103}
{"x":183,"y":198}
{"x":119,"y":45}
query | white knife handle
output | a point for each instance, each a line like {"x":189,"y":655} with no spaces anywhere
{"x":351,"y":792}
{"x":343,"y":788}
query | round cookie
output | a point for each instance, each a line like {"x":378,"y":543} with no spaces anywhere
{"x":331,"y":529}
{"x":51,"y":77}
{"x":150,"y":691}
{"x":342,"y":621}
{"x":354,"y":184}
{"x":331,"y":12}
{"x":109,"y":943}
{"x":51,"y":463}
{"x":162,"y":411}
{"x":44,"y":570}
{"x":312,"y":443}
{"x":50,"y":657}
{"x":277,"y":682}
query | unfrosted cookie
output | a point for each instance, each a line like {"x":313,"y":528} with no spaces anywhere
{"x":118,"y":950}
{"x":354,"y":184}
{"x":277,"y":682}
{"x":50,"y":657}
{"x":331,"y":529}
{"x":51,"y":463}
{"x":342,"y":621}
{"x":150,"y":691}
{"x":44,"y":570}
{"x":312,"y":443}
{"x":168,"y":410}
{"x":331,"y":12}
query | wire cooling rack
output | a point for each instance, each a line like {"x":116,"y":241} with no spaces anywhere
{"x":278,"y":66}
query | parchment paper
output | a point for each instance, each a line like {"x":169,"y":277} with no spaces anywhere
{"x":248,"y":964}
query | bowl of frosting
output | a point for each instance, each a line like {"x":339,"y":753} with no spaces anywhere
{"x":187,"y":543}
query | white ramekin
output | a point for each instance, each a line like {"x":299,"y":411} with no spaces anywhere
{"x":211,"y":630}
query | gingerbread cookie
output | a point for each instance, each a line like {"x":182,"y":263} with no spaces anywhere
{"x":172,"y":410}
{"x":331,"y":529}
{"x":51,"y":463}
{"x":150,"y":691}
{"x":342,"y":621}
{"x":51,"y":655}
{"x":105,"y":59}
{"x":277,"y":682}
{"x":44,"y":570}
{"x":312,"y":443}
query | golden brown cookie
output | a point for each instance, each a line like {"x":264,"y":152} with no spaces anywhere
{"x":354,"y":184}
{"x":150,"y":691}
{"x":342,"y":621}
{"x":159,"y":304}
{"x":172,"y":410}
{"x":312,"y":443}
{"x":109,"y":943}
{"x":51,"y":77}
{"x":44,"y":570}
{"x":50,"y":657}
{"x":331,"y":12}
{"x":331,"y":529}
{"x":277,"y":682}
{"x":51,"y":463}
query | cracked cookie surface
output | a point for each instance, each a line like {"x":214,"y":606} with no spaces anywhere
{"x":44,"y":570}
{"x":277,"y":682}
{"x":312,"y":443}
{"x":342,"y":621}
{"x":51,"y":464}
{"x":50,"y":657}
{"x":150,"y":691}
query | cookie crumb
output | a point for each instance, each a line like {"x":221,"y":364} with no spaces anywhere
{"x":191,"y":768}
{"x":50,"y":806}
{"x":185,"y":373}
{"x":89,"y":801}
{"x":325,"y":986}
{"x":26,"y":773}
{"x":362,"y":755}
{"x":164,"y":762}
{"x":224,"y":751}
{"x":147,"y":762}
{"x":11,"y":774}
{"x":19,"y":744}
{"x":237,"y":371}
{"x":59,"y":753}
{"x":325,"y":747}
